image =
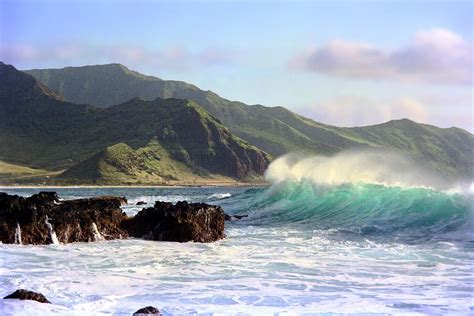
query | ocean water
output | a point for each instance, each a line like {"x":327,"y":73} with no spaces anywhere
{"x":305,"y":249}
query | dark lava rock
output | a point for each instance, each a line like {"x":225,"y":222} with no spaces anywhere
{"x":149,"y":310}
{"x":140,"y":203}
{"x":240,"y":216}
{"x":27,"y":295}
{"x":181,"y":222}
{"x":231,"y":217}
{"x":44,"y":219}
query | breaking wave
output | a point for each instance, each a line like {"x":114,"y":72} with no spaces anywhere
{"x":370,"y":195}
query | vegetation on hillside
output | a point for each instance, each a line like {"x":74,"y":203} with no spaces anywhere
{"x":275,"y":130}
{"x":119,"y":143}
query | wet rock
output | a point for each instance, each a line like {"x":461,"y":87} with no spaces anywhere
{"x":140,"y":203}
{"x":231,"y":217}
{"x":27,"y":295}
{"x":44,"y":219}
{"x":181,"y":222}
{"x":240,"y":216}
{"x":149,"y":310}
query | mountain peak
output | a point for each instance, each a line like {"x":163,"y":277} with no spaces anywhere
{"x":14,"y":83}
{"x":161,"y":138}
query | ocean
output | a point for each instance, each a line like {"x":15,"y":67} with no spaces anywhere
{"x":304,"y":249}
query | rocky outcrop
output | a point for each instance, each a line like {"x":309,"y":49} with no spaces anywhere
{"x":181,"y":222}
{"x":149,"y":310}
{"x":27,"y":295}
{"x":44,"y":219}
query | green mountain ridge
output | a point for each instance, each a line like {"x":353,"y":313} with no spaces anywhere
{"x":138,"y":140}
{"x":275,"y":130}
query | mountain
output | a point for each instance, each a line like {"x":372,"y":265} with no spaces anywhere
{"x":138,"y":140}
{"x":275,"y":130}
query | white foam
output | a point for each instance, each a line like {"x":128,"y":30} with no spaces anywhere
{"x":97,"y":235}
{"x":18,"y":234}
{"x":355,"y":167}
{"x":52,"y":233}
{"x":256,"y":270}
{"x":220,"y":196}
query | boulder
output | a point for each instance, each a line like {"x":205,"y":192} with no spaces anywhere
{"x":181,"y":222}
{"x":44,"y":219}
{"x":149,"y":310}
{"x":140,"y":203}
{"x":27,"y":295}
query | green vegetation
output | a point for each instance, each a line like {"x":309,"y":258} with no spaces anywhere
{"x":10,"y":174}
{"x":193,"y":136}
{"x":121,"y":164}
{"x":275,"y":130}
{"x":137,"y":141}
{"x":10,"y":169}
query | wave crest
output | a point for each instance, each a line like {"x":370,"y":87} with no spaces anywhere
{"x":355,"y":167}
{"x":367,"y":210}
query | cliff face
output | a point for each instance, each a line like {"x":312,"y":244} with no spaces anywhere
{"x":153,"y":140}
{"x":189,"y":134}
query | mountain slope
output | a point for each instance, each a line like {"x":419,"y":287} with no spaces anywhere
{"x":38,"y":129}
{"x":450,"y":150}
{"x":276,"y":130}
{"x":120,"y":164}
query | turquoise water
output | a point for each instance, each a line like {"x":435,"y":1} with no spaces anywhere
{"x":304,"y":249}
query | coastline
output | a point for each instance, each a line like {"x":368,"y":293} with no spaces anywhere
{"x":182,"y":185}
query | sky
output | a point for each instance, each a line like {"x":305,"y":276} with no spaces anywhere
{"x":347,"y":63}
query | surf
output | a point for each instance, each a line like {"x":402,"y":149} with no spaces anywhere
{"x":376,"y":195}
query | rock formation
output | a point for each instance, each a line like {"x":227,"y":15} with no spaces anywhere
{"x":180,"y":222}
{"x":27,"y":295}
{"x":149,"y":310}
{"x":44,"y":219}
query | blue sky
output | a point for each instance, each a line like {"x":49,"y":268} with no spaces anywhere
{"x":341,"y":62}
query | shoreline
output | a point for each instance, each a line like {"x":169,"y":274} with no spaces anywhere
{"x":160,"y":186}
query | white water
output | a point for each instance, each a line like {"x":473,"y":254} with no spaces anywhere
{"x":97,"y":235}
{"x":52,"y":233}
{"x":355,"y":167}
{"x":18,"y":234}
{"x":256,"y":270}
{"x":220,"y":195}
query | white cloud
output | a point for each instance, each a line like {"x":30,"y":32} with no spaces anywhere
{"x":360,"y":111}
{"x":173,"y":57}
{"x":435,"y":55}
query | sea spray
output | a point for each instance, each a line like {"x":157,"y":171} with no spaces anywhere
{"x":359,"y":194}
{"x":356,"y":167}
{"x":18,"y":234}
{"x":52,"y":233}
